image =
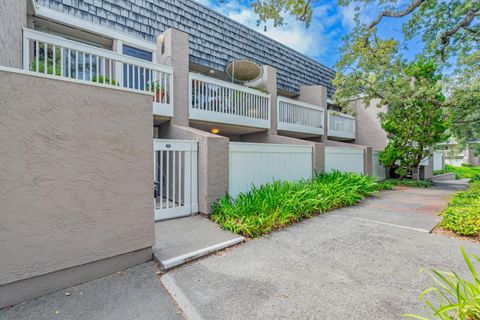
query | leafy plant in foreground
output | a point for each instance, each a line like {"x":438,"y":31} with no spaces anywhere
{"x":453,"y":296}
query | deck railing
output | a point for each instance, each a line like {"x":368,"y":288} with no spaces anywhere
{"x":341,"y":125}
{"x":224,"y":102}
{"x":296,"y":116}
{"x":60,"y":57}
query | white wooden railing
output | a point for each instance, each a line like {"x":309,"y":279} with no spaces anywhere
{"x":296,"y":116}
{"x":59,"y":57}
{"x":341,"y":125}
{"x":224,"y":102}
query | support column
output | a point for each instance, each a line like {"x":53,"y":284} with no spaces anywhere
{"x":368,"y":159}
{"x":316,"y":95}
{"x":173,"y":51}
{"x":13,"y":17}
{"x":268,"y":82}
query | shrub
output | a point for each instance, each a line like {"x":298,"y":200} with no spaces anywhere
{"x":464,"y":172}
{"x":408,"y":183}
{"x":455,"y":297}
{"x":280,"y":203}
{"x":462,"y":214}
{"x":437,"y":172}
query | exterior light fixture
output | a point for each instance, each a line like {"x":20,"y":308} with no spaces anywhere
{"x":211,"y":71}
{"x":160,"y":39}
{"x":215,"y":130}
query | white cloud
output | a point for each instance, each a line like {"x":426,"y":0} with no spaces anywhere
{"x":312,"y":41}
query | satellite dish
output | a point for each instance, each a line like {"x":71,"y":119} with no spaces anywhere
{"x":243,"y":70}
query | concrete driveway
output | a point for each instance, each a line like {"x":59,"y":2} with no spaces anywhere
{"x":355,"y":263}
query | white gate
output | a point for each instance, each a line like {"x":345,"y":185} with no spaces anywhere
{"x":254,"y":164}
{"x":175,"y":178}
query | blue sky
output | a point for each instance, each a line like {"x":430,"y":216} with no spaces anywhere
{"x":322,"y":40}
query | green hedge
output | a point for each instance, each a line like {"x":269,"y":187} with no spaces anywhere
{"x":462,"y":214}
{"x":463,"y":172}
{"x":277,"y":204}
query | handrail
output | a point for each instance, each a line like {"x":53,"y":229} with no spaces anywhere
{"x":301,"y":103}
{"x":201,"y":77}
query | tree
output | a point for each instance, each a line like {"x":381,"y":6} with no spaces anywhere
{"x":449,"y":30}
{"x":415,"y":119}
{"x":417,"y":123}
{"x":464,"y":107}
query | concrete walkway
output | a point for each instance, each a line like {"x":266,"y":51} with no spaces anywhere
{"x":135,"y":293}
{"x":178,"y":241}
{"x":354,"y":263}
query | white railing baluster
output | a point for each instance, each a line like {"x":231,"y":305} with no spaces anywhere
{"x":220,"y":101}
{"x":341,"y":125}
{"x":105,"y":66}
{"x":297,"y":116}
{"x":76,"y":64}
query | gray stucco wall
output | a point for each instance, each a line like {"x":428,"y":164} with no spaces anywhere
{"x":369,"y":131}
{"x":75,"y":174}
{"x":13,"y":17}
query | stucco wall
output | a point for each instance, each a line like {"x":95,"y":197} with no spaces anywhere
{"x":13,"y":17}
{"x":75,"y":174}
{"x":369,"y":131}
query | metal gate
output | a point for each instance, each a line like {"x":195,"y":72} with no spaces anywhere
{"x":175,"y":178}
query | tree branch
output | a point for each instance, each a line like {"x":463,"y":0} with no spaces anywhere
{"x":303,"y":16}
{"x":395,"y":14}
{"x":462,"y":24}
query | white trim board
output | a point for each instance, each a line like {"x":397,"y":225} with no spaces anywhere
{"x":78,"y":23}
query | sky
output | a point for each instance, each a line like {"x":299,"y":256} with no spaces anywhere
{"x":322,"y":40}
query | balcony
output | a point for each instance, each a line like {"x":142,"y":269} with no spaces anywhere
{"x":74,"y":61}
{"x":302,"y":119}
{"x":341,"y":126}
{"x":222,"y":102}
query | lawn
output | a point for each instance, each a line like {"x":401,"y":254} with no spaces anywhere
{"x":278,"y":204}
{"x":462,"y":215}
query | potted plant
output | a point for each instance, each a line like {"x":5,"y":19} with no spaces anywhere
{"x":154,"y":86}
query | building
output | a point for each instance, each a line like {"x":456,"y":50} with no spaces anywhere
{"x":90,"y":88}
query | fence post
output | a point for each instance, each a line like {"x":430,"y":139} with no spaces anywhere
{"x":368,"y":161}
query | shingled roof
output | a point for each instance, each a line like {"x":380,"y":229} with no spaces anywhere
{"x":214,"y":38}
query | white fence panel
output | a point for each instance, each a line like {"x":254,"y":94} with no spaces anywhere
{"x":344,"y":159}
{"x":175,"y":178}
{"x":438,"y":162}
{"x":377,"y":169}
{"x":255,"y":164}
